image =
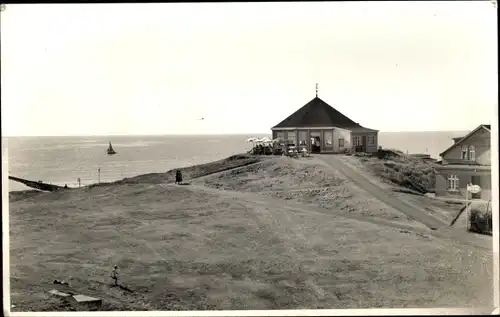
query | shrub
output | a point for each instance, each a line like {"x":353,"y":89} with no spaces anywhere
{"x":481,"y":219}
{"x":412,"y":173}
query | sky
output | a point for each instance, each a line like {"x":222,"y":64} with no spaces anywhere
{"x":106,"y":69}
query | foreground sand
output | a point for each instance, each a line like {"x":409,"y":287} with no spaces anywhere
{"x":283,"y":234}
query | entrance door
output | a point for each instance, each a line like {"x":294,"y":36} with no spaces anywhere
{"x":476,"y":180}
{"x":363,"y":143}
{"x":315,"y":139}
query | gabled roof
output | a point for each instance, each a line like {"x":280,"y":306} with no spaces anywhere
{"x":317,"y":113}
{"x":487,"y":127}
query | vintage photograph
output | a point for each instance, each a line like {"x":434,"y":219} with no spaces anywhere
{"x":249,"y":156}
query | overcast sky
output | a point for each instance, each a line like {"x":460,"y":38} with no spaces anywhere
{"x":89,"y":69}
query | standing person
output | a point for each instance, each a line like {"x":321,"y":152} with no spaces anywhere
{"x":114,"y":274}
{"x":179,"y":177}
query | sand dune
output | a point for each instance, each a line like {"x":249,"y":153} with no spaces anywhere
{"x":277,"y":234}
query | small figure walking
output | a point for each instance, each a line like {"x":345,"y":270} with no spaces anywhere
{"x":114,"y":274}
{"x":178,"y":177}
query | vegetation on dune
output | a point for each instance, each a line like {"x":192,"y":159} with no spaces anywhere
{"x":395,"y":167}
{"x":24,"y":194}
{"x":189,"y":172}
{"x":481,"y":219}
{"x":302,"y":181}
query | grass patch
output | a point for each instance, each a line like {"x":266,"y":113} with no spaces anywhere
{"x":396,"y":168}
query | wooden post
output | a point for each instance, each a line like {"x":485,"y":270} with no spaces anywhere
{"x":99,"y":175}
{"x":466,"y":211}
{"x":79,"y":182}
{"x":488,"y":218}
{"x":467,"y":208}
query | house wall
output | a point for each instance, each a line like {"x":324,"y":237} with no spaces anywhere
{"x":303,"y":134}
{"x":341,"y":134}
{"x":337,"y":133}
{"x":306,"y":134}
{"x":291,"y":136}
{"x":465,"y":177}
{"x":370,"y":148}
{"x":328,"y":135}
{"x":482,"y":143}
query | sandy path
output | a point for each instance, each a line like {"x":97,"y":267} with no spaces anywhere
{"x":382,"y":194}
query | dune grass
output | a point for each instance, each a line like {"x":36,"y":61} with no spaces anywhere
{"x":411,"y":174}
{"x":408,"y":172}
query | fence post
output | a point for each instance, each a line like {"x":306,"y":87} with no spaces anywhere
{"x":79,"y":181}
{"x":99,"y":175}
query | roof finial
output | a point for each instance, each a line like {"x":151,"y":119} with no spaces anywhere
{"x":316,"y":90}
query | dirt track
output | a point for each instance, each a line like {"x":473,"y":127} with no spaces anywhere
{"x":381,"y":194}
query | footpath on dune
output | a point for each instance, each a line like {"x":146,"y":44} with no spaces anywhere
{"x":411,"y":210}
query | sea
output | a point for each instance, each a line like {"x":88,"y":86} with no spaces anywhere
{"x":64,"y":160}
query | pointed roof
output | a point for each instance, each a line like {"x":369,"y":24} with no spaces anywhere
{"x":317,"y":113}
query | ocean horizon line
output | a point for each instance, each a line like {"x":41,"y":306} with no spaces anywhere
{"x":198,"y":135}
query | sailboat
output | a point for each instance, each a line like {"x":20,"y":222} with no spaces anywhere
{"x":110,"y":149}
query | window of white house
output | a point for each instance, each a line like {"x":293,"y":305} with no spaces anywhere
{"x":472,"y":152}
{"x":341,"y":142}
{"x":302,"y":137}
{"x":465,"y":149}
{"x":291,"y":137}
{"x":356,"y":140}
{"x":328,"y":138}
{"x":453,"y":182}
{"x":371,"y":140}
{"x":280,"y":135}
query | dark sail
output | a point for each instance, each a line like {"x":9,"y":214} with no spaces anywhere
{"x":110,"y":149}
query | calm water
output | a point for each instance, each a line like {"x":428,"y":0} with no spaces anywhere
{"x":62,"y":160}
